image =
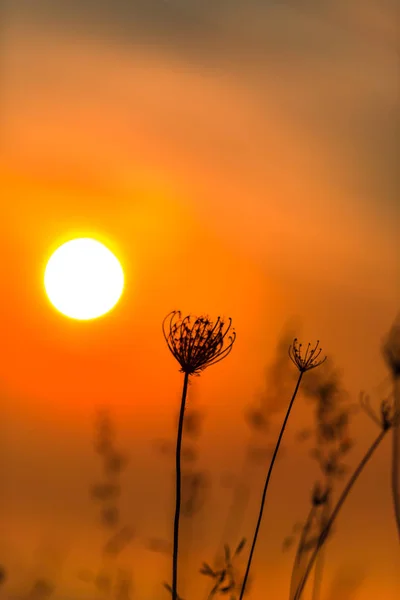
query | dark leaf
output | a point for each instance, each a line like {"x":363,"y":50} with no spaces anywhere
{"x":226,"y":589}
{"x":304,"y":434}
{"x":104,"y":491}
{"x":256,"y":419}
{"x":118,"y":541}
{"x":110,"y":516}
{"x":207,"y":570}
{"x":169,"y":589}
{"x":222,"y":575}
{"x":288,"y":543}
{"x":240,"y":546}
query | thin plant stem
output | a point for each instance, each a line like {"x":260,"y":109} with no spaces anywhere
{"x":300,"y":548}
{"x":278,"y":443}
{"x":396,"y":454}
{"x":319,"y":566}
{"x":336,"y":510}
{"x":178,"y":489}
{"x":212,"y":593}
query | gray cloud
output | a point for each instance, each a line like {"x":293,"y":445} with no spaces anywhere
{"x":306,"y":26}
{"x":333,"y":64}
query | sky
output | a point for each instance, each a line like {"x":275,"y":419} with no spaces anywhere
{"x":240,"y":159}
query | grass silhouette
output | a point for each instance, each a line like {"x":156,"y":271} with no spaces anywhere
{"x":226,"y":579}
{"x":305,"y":363}
{"x":391,"y":353}
{"x":197,"y":343}
{"x":332,"y":442}
{"x":110,"y":580}
{"x":388,"y":417}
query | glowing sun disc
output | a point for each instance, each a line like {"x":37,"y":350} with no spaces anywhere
{"x":83,"y":279}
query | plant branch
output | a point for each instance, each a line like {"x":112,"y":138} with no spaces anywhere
{"x":266,"y":486}
{"x":336,"y":510}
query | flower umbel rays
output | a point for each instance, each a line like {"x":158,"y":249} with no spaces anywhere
{"x":197,"y":342}
{"x":311,"y":358}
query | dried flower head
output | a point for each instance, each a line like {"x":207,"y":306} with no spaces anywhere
{"x":391,"y":348}
{"x":310,"y":359}
{"x":386,"y":418}
{"x":197,"y":342}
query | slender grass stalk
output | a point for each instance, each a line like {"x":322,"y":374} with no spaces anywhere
{"x":196,"y":343}
{"x":391,"y":355}
{"x":309,"y":361}
{"x":264,"y":494}
{"x":396,"y":454}
{"x":178,"y":489}
{"x":320,"y":561}
{"x":320,"y":499}
{"x":337,"y":508}
{"x":303,"y":537}
{"x":297,"y":566}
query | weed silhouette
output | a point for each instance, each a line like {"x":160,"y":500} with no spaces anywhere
{"x":391,"y":354}
{"x":304,"y":362}
{"x":386,"y":418}
{"x":196,"y":343}
{"x":226,"y":577}
{"x":331,"y":443}
{"x":111,"y":581}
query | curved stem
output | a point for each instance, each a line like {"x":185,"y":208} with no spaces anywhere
{"x":278,"y":443}
{"x":319,"y":566}
{"x":213,"y":592}
{"x":178,"y":489}
{"x":396,"y":454}
{"x":300,"y":548}
{"x":336,"y":510}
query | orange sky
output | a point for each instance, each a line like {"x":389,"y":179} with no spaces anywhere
{"x":222,"y":189}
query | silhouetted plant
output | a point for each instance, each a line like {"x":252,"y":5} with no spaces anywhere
{"x":170,"y":590}
{"x":310,"y":360}
{"x":391,"y":354}
{"x":260,"y":418}
{"x":160,"y":546}
{"x":107,"y":493}
{"x":196,"y":343}
{"x":309,"y":535}
{"x":226,"y":578}
{"x":123,"y":585}
{"x":391,"y":348}
{"x":332,"y":442}
{"x":386,"y":419}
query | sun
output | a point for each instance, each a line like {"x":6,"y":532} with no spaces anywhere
{"x":83,"y":279}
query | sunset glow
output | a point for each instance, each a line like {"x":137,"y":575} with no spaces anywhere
{"x":178,"y":180}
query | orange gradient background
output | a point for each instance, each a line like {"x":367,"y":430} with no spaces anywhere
{"x":229,"y":177}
